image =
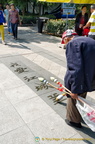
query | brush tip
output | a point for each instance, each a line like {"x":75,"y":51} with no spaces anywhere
{"x":41,"y":79}
{"x":52,"y":78}
{"x":59,"y":97}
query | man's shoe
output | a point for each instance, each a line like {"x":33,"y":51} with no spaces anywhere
{"x":3,"y":42}
{"x":11,"y":34}
{"x":15,"y":38}
{"x":73,"y":124}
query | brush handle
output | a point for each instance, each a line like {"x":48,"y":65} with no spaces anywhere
{"x":57,"y":88}
{"x":66,"y":89}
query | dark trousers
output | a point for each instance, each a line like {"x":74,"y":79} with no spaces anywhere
{"x":14,"y":29}
{"x":72,"y":112}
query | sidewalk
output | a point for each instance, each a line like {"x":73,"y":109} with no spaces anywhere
{"x":28,"y":116}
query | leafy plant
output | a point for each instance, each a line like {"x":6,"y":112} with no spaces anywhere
{"x":57,"y":27}
{"x":28,"y":19}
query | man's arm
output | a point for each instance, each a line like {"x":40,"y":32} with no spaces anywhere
{"x":88,"y":24}
{"x":91,"y":20}
{"x":75,"y":76}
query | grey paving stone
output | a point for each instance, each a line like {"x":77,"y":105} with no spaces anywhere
{"x":30,"y":64}
{"x":33,"y":83}
{"x":25,"y":75}
{"x":52,"y":127}
{"x":8,"y":79}
{"x":76,"y":139}
{"x":9,"y":119}
{"x":60,"y":62}
{"x":3,"y":100}
{"x":47,"y":54}
{"x":86,"y":132}
{"x":5,"y":55}
{"x":14,"y":60}
{"x":33,"y":109}
{"x":59,"y":108}
{"x":19,"y":94}
{"x":32,"y":47}
{"x":21,"y":135}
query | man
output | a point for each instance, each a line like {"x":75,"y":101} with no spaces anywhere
{"x":91,"y":23}
{"x":80,"y":75}
{"x":14,"y":19}
{"x":6,"y":13}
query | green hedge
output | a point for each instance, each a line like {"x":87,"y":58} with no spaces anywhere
{"x":57,"y":27}
{"x":50,"y":16}
{"x":28,"y":19}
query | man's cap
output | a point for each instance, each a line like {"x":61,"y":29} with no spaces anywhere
{"x":92,"y":6}
{"x":68,"y":33}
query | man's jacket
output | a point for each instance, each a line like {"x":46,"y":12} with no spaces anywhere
{"x":80,"y":75}
{"x":2,"y":19}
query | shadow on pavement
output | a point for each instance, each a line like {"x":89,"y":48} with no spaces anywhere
{"x":31,"y":35}
{"x":19,"y":47}
{"x":88,"y":134}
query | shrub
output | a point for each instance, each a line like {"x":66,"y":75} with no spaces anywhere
{"x":57,"y":27}
{"x":50,"y":16}
{"x":28,"y":19}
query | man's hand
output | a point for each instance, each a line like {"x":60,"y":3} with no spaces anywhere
{"x":81,"y":25}
{"x":84,"y":27}
{"x":74,"y":96}
{"x":5,"y":24}
{"x":87,"y":25}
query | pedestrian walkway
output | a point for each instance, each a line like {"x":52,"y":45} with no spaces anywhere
{"x":28,"y":116}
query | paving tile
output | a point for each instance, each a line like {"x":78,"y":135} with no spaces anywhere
{"x":38,"y":59}
{"x":29,"y":75}
{"x":59,"y":108}
{"x":48,"y":55}
{"x":44,"y":62}
{"x":31,"y":56}
{"x":8,"y":79}
{"x":3,"y":100}
{"x":20,"y":94}
{"x":39,"y":92}
{"x":30,"y":64}
{"x":33,"y":109}
{"x":48,"y":65}
{"x":51,"y":126}
{"x":21,"y":135}
{"x":9,"y":119}
{"x":76,"y":139}
{"x":91,"y":94}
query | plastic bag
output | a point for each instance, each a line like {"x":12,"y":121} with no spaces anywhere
{"x":87,"y":111}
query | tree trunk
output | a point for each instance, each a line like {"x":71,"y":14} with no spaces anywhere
{"x":34,"y":4}
{"x":41,"y":9}
{"x":23,"y":11}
